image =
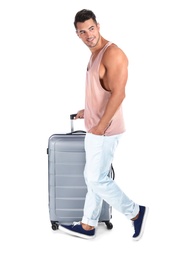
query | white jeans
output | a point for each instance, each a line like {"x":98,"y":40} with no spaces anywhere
{"x":99,"y":156}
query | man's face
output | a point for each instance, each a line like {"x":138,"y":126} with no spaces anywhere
{"x":88,"y":32}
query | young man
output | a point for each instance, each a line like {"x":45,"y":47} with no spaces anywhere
{"x":106,"y":78}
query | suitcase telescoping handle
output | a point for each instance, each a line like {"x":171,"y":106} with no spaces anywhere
{"x":72,"y":117}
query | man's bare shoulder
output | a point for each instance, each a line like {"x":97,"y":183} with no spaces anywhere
{"x":114,"y":53}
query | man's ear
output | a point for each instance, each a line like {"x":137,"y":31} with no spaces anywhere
{"x":98,"y":26}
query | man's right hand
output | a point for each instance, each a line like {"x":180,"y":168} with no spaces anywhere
{"x":80,"y":114}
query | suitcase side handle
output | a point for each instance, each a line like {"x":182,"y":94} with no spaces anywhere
{"x":77,"y":132}
{"x":112,"y":172}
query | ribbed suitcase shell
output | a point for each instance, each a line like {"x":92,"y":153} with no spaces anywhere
{"x":66,"y":185}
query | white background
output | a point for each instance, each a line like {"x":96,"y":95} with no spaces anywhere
{"x":42,"y":73}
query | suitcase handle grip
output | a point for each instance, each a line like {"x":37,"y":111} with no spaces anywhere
{"x":72,"y":116}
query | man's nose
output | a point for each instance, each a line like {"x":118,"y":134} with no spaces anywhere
{"x":89,"y":34}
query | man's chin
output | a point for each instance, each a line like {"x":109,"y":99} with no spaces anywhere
{"x":91,"y":44}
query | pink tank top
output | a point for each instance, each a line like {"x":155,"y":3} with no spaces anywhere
{"x":97,"y":97}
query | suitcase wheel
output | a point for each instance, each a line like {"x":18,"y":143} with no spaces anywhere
{"x":109,"y":224}
{"x":54,"y":225}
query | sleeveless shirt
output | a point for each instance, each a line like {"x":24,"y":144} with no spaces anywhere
{"x":97,"y":97}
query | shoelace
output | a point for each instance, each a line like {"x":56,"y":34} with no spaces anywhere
{"x":76,"y":223}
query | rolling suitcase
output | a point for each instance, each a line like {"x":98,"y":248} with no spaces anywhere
{"x":66,"y":184}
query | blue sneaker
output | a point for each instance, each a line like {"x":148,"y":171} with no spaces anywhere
{"x":76,"y":229}
{"x":139,"y":223}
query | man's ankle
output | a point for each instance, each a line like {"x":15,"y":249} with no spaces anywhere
{"x":133,"y":219}
{"x":87,"y":227}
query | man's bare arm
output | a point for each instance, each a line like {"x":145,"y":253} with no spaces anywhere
{"x":114,"y":80}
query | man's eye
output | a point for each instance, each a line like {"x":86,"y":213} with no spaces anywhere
{"x":82,"y":32}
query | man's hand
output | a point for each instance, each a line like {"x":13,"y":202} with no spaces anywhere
{"x":97,"y":130}
{"x":80,"y":114}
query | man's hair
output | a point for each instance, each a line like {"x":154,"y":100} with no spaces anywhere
{"x":84,"y":15}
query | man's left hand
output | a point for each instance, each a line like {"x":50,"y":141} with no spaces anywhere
{"x":97,"y":130}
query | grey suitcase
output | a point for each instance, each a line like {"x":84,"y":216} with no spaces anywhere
{"x":66,"y":185}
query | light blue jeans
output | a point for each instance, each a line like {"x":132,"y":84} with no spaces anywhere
{"x":99,"y":156}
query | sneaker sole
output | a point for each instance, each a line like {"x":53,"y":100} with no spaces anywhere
{"x":73,"y":233}
{"x":143,"y":225}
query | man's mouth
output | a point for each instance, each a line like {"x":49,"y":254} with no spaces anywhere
{"x":90,"y":39}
